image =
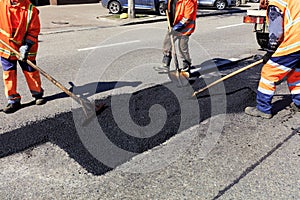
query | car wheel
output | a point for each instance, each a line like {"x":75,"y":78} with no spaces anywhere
{"x":114,"y":7}
{"x":220,"y":4}
{"x":161,"y":11}
{"x":238,"y":3}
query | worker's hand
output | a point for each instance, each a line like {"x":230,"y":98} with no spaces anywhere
{"x":24,"y":50}
{"x":267,"y":56}
{"x":165,"y":6}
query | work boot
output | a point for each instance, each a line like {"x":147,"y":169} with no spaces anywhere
{"x":12,"y":107}
{"x":40,"y":101}
{"x":165,"y":67}
{"x":295,"y":107}
{"x":253,"y":111}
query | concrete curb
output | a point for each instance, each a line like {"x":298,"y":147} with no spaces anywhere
{"x":163,"y":18}
{"x":137,"y":21}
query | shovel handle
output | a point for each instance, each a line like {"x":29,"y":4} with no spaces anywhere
{"x":228,"y":76}
{"x":172,"y":41}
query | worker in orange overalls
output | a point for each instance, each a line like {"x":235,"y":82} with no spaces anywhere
{"x":282,"y":58}
{"x":183,"y":22}
{"x":19,"y":27}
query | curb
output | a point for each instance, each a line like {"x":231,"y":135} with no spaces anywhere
{"x":163,"y":18}
{"x":141,"y":21}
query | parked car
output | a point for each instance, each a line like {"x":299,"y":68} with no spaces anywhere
{"x":221,"y":4}
{"x":117,"y":6}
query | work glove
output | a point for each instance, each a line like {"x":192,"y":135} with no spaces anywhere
{"x":24,"y":50}
{"x":267,"y":56}
{"x":179,"y":26}
{"x":165,"y":6}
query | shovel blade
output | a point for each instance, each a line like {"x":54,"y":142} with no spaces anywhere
{"x":179,"y":77}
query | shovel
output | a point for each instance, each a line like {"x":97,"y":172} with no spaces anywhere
{"x":90,"y":110}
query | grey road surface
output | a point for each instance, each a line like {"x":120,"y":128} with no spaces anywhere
{"x":153,"y":141}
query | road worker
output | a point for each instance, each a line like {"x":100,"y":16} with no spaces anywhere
{"x":183,"y":20}
{"x":282,"y":57}
{"x":19,"y":27}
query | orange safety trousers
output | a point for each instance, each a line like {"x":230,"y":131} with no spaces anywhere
{"x":32,"y":77}
{"x":276,"y":69}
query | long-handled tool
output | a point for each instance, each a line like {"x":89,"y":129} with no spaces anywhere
{"x":182,"y":80}
{"x":228,"y":76}
{"x":89,"y":109}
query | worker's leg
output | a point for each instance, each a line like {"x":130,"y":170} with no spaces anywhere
{"x":33,"y":80}
{"x":10,"y":85}
{"x":184,"y":52}
{"x":293,"y":81}
{"x":10,"y":80}
{"x":167,"y":50}
{"x":275,"y":70}
{"x":167,"y":54}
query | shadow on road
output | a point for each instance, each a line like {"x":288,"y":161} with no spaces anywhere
{"x":87,"y":90}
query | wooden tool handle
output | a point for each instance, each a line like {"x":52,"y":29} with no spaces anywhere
{"x":228,"y":76}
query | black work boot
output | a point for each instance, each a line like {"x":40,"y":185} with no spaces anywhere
{"x":12,"y":107}
{"x":39,"y":100}
{"x":165,"y":67}
{"x":186,"y":66}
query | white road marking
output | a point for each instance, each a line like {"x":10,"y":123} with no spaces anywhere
{"x":109,"y":45}
{"x":229,"y":26}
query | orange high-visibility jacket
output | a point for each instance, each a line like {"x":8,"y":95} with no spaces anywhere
{"x":28,"y":28}
{"x":291,"y":26}
{"x":186,"y":13}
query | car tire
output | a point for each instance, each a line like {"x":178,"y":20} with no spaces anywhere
{"x":238,"y":3}
{"x":114,"y":7}
{"x":220,"y":4}
{"x":161,"y":11}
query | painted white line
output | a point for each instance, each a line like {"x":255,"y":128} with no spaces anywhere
{"x":229,"y":26}
{"x":109,"y":45}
